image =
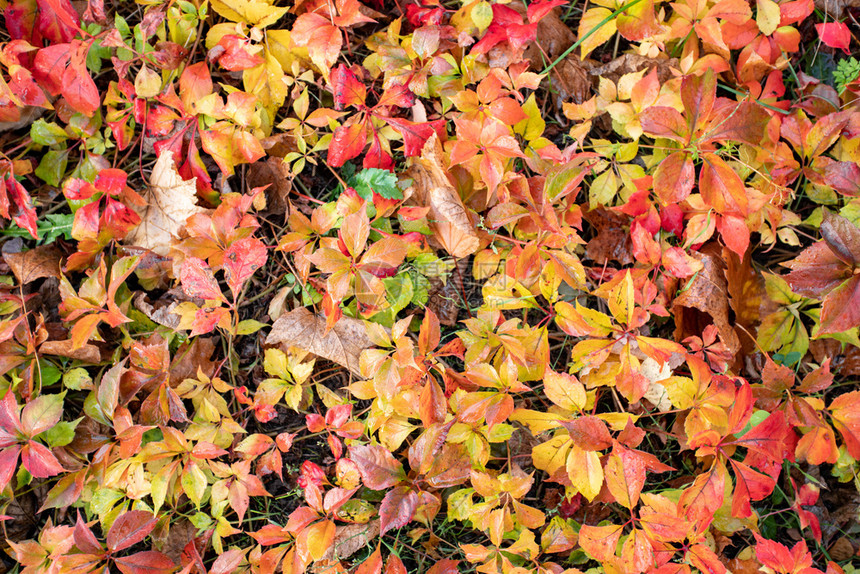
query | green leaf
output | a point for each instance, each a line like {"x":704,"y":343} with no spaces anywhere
{"x":58,"y":224}
{"x":78,"y":379}
{"x":52,"y":168}
{"x":248,"y":326}
{"x":61,"y":433}
{"x":47,"y":133}
{"x":373,"y":179}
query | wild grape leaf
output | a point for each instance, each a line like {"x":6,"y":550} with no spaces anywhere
{"x":379,"y":469}
{"x":241,"y":260}
{"x":129,"y":528}
{"x":826,"y":270}
{"x":397,"y":508}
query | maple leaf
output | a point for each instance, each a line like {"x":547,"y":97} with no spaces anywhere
{"x":170,"y":201}
{"x":343,"y":344}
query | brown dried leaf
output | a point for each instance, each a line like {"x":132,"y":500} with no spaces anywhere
{"x":704,"y":299}
{"x":842,"y":549}
{"x":88,"y":353}
{"x":448,"y":217}
{"x":343,"y":344}
{"x":189,"y":358}
{"x":748,"y":298}
{"x":630,"y":63}
{"x":835,"y":8}
{"x":444,"y":299}
{"x":274,"y":173}
{"x":612,"y":242}
{"x":170,"y":202}
{"x":164,"y":316}
{"x":179,"y":535}
{"x":35,"y":264}
{"x":350,"y":539}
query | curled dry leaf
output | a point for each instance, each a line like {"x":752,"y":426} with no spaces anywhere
{"x":164,"y":316}
{"x":704,"y":299}
{"x":448,"y":217}
{"x":35,"y":264}
{"x":303,"y":329}
{"x":87,"y":354}
{"x":612,"y":242}
{"x":351,"y":538}
{"x":170,"y":202}
{"x":630,"y":63}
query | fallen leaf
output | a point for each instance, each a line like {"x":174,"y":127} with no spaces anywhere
{"x":704,"y":299}
{"x":445,"y":299}
{"x":275,"y":174}
{"x":835,"y":8}
{"x":164,"y":316}
{"x":612,"y":242}
{"x":448,"y":218}
{"x":747,"y":296}
{"x":181,"y":533}
{"x":87,"y":354}
{"x":170,"y":202}
{"x":351,"y":538}
{"x":35,"y":264}
{"x":343,"y":344}
{"x":631,"y":63}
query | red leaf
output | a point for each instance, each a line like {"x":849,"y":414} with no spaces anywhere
{"x":348,"y":89}
{"x":129,"y":528}
{"x":416,"y":134}
{"x":198,"y":281}
{"x":148,"y":562}
{"x":21,"y":209}
{"x":835,"y":35}
{"x":674,"y":178}
{"x":227,"y":562}
{"x":348,"y":142}
{"x":40,"y":461}
{"x":397,"y":508}
{"x":241,"y":260}
{"x":78,"y":87}
{"x":378,"y":467}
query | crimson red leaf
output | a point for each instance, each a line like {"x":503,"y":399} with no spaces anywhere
{"x":148,"y":562}
{"x":129,"y":528}
{"x":397,"y":508}
{"x":835,"y":35}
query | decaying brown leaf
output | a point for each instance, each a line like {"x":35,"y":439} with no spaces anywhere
{"x":612,"y":242}
{"x":630,"y":63}
{"x":448,"y":217}
{"x":445,"y":299}
{"x":351,"y":538}
{"x":305,"y":330}
{"x":88,"y":353}
{"x":38,"y":263}
{"x":835,"y":8}
{"x":164,"y":316}
{"x":170,"y":202}
{"x":275,"y":174}
{"x":180,"y":534}
{"x":704,"y":299}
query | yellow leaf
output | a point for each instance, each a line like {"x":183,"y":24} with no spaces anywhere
{"x":565,"y":391}
{"x":767,"y":16}
{"x":255,"y":13}
{"x":591,"y":20}
{"x":550,"y":456}
{"x":585,"y":472}
{"x":482,"y":15}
